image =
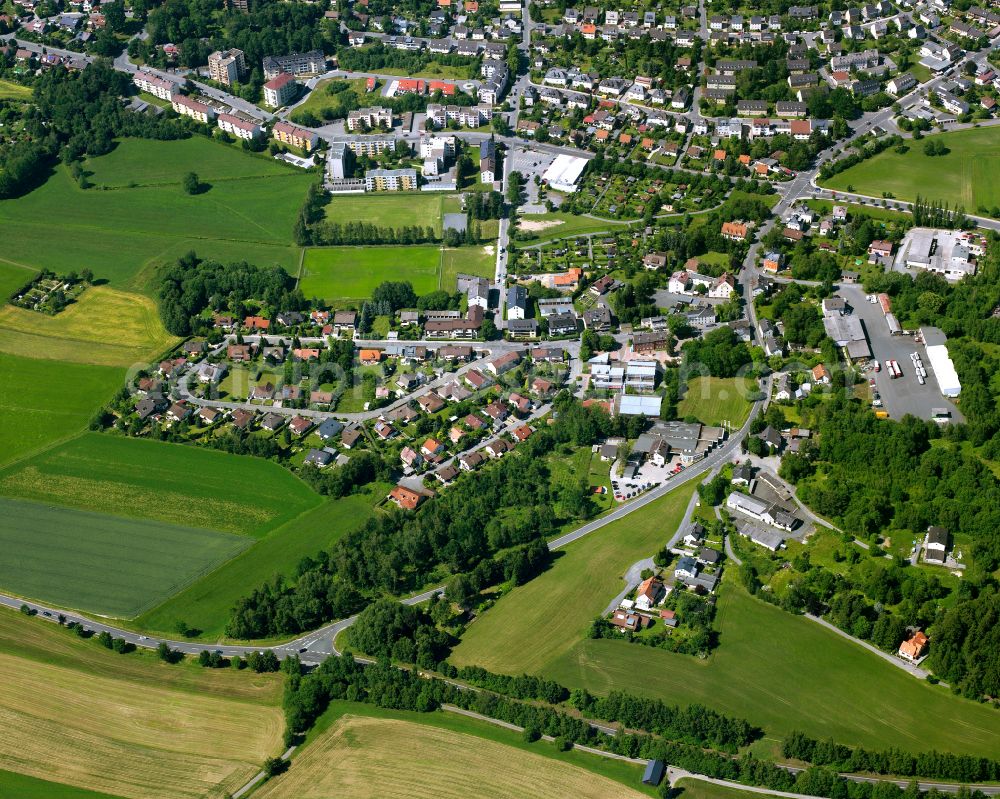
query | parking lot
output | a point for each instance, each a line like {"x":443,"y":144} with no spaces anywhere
{"x":530,"y":163}
{"x":904,"y":394}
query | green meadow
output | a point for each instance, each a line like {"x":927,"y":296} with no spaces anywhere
{"x":44,"y":401}
{"x":100,"y":563}
{"x":122,"y":233}
{"x":392,"y":209}
{"x":968,"y":175}
{"x":716,"y":399}
{"x":173,"y":483}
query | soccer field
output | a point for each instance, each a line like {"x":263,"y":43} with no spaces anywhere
{"x":37,"y":406}
{"x":123,"y":233}
{"x":173,"y":483}
{"x":104,"y":326}
{"x":341,"y":274}
{"x":968,"y":175}
{"x":100,"y":563}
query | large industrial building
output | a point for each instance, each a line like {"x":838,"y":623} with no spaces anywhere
{"x":947,"y":252}
{"x":564,"y":173}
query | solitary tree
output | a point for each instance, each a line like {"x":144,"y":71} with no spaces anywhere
{"x":191,"y":183}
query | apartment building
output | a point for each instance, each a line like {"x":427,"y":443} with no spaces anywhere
{"x":189,"y":107}
{"x":487,"y":161}
{"x":311,"y":63}
{"x":280,"y":90}
{"x":289,"y":134}
{"x":369,"y":118}
{"x":156,"y":86}
{"x":227,"y":66}
{"x":339,"y":160}
{"x":372,"y":145}
{"x":239,"y":127}
{"x":391,"y":180}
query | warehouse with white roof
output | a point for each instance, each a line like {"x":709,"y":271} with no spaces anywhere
{"x":564,"y":172}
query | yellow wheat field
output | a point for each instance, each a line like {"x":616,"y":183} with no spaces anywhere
{"x":361,"y":757}
{"x":128,"y":739}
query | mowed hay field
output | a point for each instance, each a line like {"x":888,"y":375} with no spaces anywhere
{"x":13,"y":277}
{"x":969,"y":175}
{"x":339,"y":274}
{"x":100,"y":563}
{"x":716,"y":399}
{"x":104,"y":326}
{"x":539,"y":621}
{"x":171,"y":483}
{"x":42,"y":402}
{"x":24,"y":787}
{"x":361,"y":757}
{"x":123,"y":233}
{"x":128,"y":738}
{"x":206,"y":604}
{"x":478,"y":260}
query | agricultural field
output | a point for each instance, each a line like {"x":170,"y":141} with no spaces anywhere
{"x":25,"y":787}
{"x":100,"y":563}
{"x":699,"y":789}
{"x":13,"y":277}
{"x":143,"y":162}
{"x":173,"y":483}
{"x":350,"y":274}
{"x":780,"y":671}
{"x":131,"y":738}
{"x":122,"y":234}
{"x":716,"y":399}
{"x":414,"y":755}
{"x":519,"y":632}
{"x":968,"y":175}
{"x":105,"y":327}
{"x":205,"y":605}
{"x":390,"y":209}
{"x":36,"y":409}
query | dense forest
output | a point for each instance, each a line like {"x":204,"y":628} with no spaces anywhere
{"x":190,"y":286}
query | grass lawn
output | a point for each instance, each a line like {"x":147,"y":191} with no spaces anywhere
{"x":13,"y":277}
{"x":342,"y":274}
{"x":104,"y":326}
{"x":557,"y":225}
{"x":42,"y":402}
{"x":413,"y":754}
{"x":786,"y":673}
{"x":25,"y":787}
{"x":699,"y":789}
{"x":173,"y":483}
{"x":477,"y":260}
{"x":131,"y":737}
{"x":968,"y":175}
{"x":103,"y":564}
{"x":716,"y":399}
{"x":13,"y":91}
{"x":143,"y":162}
{"x":542,"y":620}
{"x":320,"y":99}
{"x":206,"y":604}
{"x":122,"y":234}
{"x":389,"y":209}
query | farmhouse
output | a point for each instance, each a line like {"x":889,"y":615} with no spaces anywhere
{"x":913,"y":648}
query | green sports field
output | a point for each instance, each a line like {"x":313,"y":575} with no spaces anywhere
{"x":171,"y":483}
{"x":716,"y":399}
{"x":969,"y":175}
{"x":101,"y":563}
{"x":122,"y":234}
{"x":43,"y":401}
{"x":391,"y":210}
{"x":339,"y":274}
{"x":206,"y":603}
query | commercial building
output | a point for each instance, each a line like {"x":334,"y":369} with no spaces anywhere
{"x":940,"y":362}
{"x":227,"y":66}
{"x":391,"y":180}
{"x":947,"y":252}
{"x":311,"y":63}
{"x":280,"y":90}
{"x":564,"y":173}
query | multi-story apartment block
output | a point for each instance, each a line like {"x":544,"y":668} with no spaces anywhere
{"x":281,"y":90}
{"x":239,"y":127}
{"x":369,"y":118}
{"x":311,"y":63}
{"x":372,"y":145}
{"x":391,"y":180}
{"x":186,"y":106}
{"x":287,"y":133}
{"x":227,"y":66}
{"x":156,"y":86}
